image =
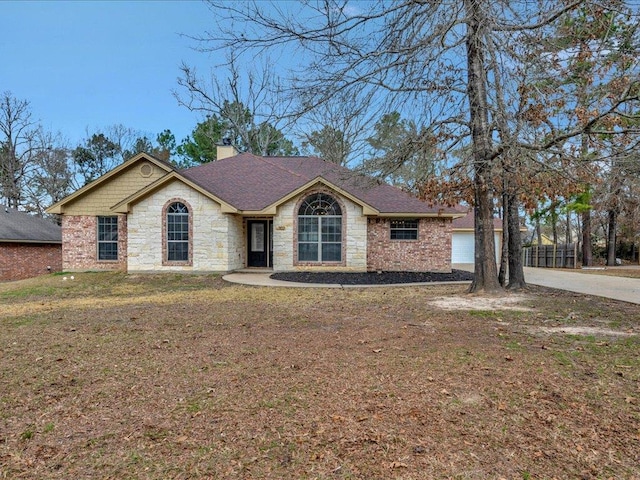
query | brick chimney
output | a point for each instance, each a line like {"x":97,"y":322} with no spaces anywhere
{"x":226,"y":149}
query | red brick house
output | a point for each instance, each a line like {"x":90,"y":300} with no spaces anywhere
{"x":244,"y":211}
{"x":29,"y":245}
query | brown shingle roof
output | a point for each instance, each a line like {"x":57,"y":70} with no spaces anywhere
{"x":18,"y":226}
{"x":252,"y":183}
{"x":467,"y":222}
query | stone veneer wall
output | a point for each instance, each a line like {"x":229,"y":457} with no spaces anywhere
{"x":236,"y":246}
{"x":217,"y":237}
{"x":24,"y":260}
{"x":79,"y":244}
{"x":285,"y":236}
{"x":430,"y":253}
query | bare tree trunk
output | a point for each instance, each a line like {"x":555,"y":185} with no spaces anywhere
{"x":516,"y":268}
{"x":611,"y":239}
{"x":567,"y":234}
{"x":554,"y":223}
{"x":486,"y":271}
{"x":504,"y":251}
{"x":578,"y":236}
{"x":587,"y":254}
{"x":538,"y":231}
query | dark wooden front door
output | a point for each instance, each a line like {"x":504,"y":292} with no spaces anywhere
{"x":259,"y":243}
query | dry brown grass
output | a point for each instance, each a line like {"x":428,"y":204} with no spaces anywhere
{"x":628,"y":271}
{"x":153,"y":377}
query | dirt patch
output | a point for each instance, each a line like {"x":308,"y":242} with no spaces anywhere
{"x":477,"y":302}
{"x":581,"y":330}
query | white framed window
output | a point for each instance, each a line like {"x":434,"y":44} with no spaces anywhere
{"x":320,"y":229}
{"x":177,"y":233}
{"x":404,"y":229}
{"x":108,"y":238}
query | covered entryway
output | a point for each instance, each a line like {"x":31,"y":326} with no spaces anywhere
{"x":260,"y":243}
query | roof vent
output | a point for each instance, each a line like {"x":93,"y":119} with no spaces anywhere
{"x":146,"y":170}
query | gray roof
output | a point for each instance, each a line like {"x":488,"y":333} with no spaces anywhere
{"x":18,"y":226}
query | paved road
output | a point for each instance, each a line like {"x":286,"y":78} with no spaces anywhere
{"x":618,"y":288}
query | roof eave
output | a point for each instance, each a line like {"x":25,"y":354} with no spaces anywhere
{"x":15,"y":240}
{"x":418,"y":215}
{"x":469,"y":230}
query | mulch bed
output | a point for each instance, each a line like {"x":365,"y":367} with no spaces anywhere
{"x":373,"y":278}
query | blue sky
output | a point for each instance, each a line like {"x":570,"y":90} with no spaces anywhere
{"x":91,"y":64}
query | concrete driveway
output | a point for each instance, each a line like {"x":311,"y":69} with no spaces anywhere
{"x":617,"y":288}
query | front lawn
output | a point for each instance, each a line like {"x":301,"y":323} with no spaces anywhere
{"x":629,"y":272}
{"x":188,"y":377}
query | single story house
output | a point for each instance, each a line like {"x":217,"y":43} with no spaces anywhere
{"x":246,"y":211}
{"x":29,"y":245}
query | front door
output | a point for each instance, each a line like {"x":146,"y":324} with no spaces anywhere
{"x":259,"y":243}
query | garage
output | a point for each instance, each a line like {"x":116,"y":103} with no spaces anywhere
{"x":463,"y":247}
{"x":462,"y":240}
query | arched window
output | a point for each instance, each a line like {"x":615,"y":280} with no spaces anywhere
{"x":320,"y":229}
{"x":177,"y":232}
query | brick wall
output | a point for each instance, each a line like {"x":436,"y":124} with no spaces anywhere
{"x":430,"y":253}
{"x":25,"y":260}
{"x":79,"y":244}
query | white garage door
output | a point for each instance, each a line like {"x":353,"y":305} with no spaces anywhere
{"x":463,"y":247}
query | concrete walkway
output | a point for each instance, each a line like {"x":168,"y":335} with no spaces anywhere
{"x":261,"y":279}
{"x":617,"y":288}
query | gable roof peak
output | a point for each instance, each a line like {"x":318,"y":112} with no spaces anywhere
{"x":57,"y":208}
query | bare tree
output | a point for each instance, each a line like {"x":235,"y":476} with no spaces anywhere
{"x":451,"y":65}
{"x":334,"y":130}
{"x":401,"y":153}
{"x":248,"y":101}
{"x":17,"y":152}
{"x":96,"y":156}
{"x":52,"y":177}
{"x":588,"y":75}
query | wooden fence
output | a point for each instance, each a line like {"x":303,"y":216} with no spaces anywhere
{"x":551,"y":256}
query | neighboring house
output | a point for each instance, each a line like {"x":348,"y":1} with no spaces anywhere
{"x":243,"y":211}
{"x":463,"y":240}
{"x":29,"y":245}
{"x":546,"y":240}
